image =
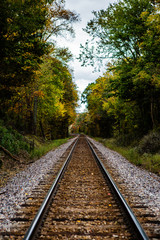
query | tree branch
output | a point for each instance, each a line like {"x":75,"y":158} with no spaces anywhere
{"x":9,"y":154}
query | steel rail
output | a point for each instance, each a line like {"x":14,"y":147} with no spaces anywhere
{"x":35,"y":223}
{"x":135,"y":223}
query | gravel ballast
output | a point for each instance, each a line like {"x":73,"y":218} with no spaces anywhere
{"x":16,"y":190}
{"x":145,"y":185}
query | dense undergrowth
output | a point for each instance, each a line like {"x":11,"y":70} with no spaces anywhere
{"x":31,"y":147}
{"x":146,"y":153}
{"x":12,"y":140}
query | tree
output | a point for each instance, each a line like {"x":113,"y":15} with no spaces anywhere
{"x":47,"y":106}
{"x":96,"y":95}
{"x":60,"y":20}
{"x":21,"y":44}
{"x":25,"y":28}
{"x":81,"y":124}
{"x":116,"y":32}
{"x":128,"y":32}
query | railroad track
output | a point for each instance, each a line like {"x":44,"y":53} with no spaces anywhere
{"x":80,"y":204}
{"x":84,"y":204}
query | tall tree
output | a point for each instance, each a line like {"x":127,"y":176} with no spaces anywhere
{"x":60,"y":20}
{"x":96,"y":95}
{"x":26,"y":27}
{"x":116,"y":32}
{"x":128,"y":32}
{"x":20,"y":44}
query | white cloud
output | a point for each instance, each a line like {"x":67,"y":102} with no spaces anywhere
{"x":83,"y":83}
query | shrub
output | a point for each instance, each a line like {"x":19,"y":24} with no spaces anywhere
{"x":150,"y":143}
{"x":12,"y":140}
{"x":126,"y":140}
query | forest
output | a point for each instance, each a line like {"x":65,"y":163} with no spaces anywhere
{"x":37,"y":92}
{"x":124,"y":103}
{"x":125,"y":100}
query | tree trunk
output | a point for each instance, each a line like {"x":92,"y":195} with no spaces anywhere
{"x":35,"y":115}
{"x":152,"y":113}
{"x":42,"y":130}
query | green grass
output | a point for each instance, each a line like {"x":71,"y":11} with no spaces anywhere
{"x":42,"y":149}
{"x":150,"y":162}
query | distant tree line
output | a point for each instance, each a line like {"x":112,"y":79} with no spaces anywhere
{"x":37,"y":93}
{"x":125,"y":101}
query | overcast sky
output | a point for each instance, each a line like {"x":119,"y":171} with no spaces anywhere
{"x":82,"y":75}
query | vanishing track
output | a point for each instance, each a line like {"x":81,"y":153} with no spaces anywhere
{"x":84,"y":206}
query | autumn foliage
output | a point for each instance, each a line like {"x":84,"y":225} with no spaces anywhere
{"x":125,"y":101}
{"x":37,"y":93}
